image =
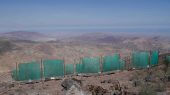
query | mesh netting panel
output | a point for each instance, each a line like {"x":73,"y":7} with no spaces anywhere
{"x":14,"y":74}
{"x":69,"y":69}
{"x":168,"y":59}
{"x":140,"y":59}
{"x":122,"y":64}
{"x":79,"y":68}
{"x":91,"y":65}
{"x":135,"y":59}
{"x":154,"y":58}
{"x":29,"y":71}
{"x":111,"y":63}
{"x":53,"y":68}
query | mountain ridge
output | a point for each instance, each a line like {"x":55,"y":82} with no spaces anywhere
{"x":26,"y":35}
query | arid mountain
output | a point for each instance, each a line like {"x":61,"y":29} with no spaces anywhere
{"x":6,"y":45}
{"x":24,"y":35}
{"x":118,"y":41}
{"x":97,"y":37}
{"x":23,"y":48}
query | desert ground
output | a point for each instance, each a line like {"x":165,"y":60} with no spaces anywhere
{"x":15,"y":48}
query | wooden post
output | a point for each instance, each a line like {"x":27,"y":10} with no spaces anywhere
{"x":101,"y":64}
{"x":119,"y":61}
{"x":158,"y":57}
{"x":130,"y":65}
{"x":129,"y":61}
{"x":64,"y":66}
{"x":149,"y":58}
{"x":74,"y":66}
{"x":16,"y":71}
{"x":80,"y":62}
{"x":41,"y":67}
{"x":126,"y":62}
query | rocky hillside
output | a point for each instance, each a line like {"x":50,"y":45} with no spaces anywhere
{"x":25,"y":35}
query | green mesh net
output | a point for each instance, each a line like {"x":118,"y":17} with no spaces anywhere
{"x":111,"y":63}
{"x":69,"y":69}
{"x":168,"y":59}
{"x":79,"y":68}
{"x":154,"y":58}
{"x":90,"y":65}
{"x":122,"y":64}
{"x":14,"y":75}
{"x":53,"y":68}
{"x":28,"y":71}
{"x":140,"y":59}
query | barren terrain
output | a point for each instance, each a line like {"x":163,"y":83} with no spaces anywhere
{"x":71,"y":49}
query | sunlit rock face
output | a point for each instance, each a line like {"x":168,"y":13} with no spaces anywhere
{"x":73,"y":87}
{"x":75,"y":91}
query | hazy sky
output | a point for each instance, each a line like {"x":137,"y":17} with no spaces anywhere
{"x":25,"y":14}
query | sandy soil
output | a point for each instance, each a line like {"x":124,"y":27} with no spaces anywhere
{"x":53,"y":87}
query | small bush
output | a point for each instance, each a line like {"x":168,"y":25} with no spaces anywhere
{"x":166,"y":61}
{"x":5,"y":46}
{"x":147,"y":90}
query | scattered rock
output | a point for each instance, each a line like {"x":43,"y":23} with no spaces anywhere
{"x":106,"y":81}
{"x":72,"y":87}
{"x":68,"y":83}
{"x":97,"y":90}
